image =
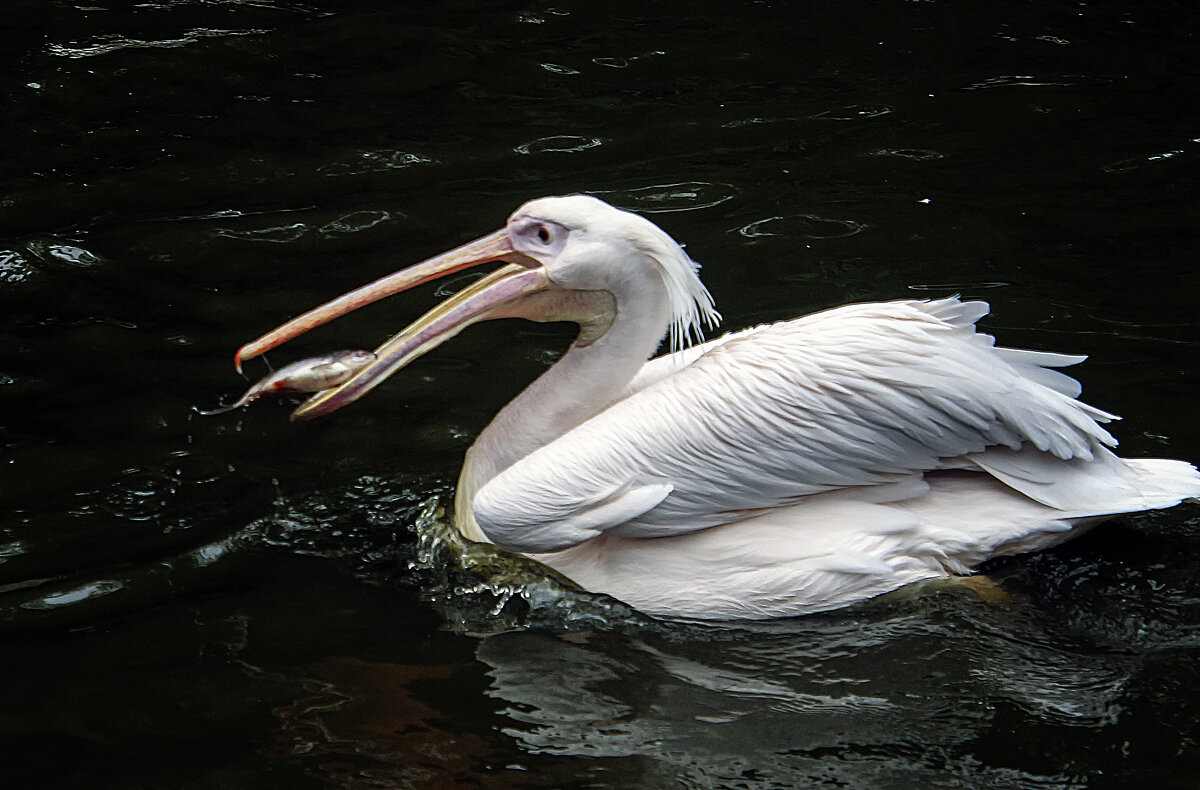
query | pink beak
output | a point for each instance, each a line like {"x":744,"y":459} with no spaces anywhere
{"x":474,"y":303}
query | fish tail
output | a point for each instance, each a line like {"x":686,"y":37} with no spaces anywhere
{"x":211,"y":412}
{"x":223,"y":409}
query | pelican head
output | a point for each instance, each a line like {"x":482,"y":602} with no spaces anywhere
{"x":572,"y":258}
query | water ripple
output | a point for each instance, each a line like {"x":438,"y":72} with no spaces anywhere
{"x":139,"y":495}
{"x":84,"y":592}
{"x":624,"y":63}
{"x":802,"y":226}
{"x":353,"y":222}
{"x":15,"y":268}
{"x":531,"y":18}
{"x":959,"y":286}
{"x":755,"y":121}
{"x":10,"y":384}
{"x":1031,"y":81}
{"x":563,"y":143}
{"x":1137,"y":162}
{"x":280,"y":234}
{"x":449,"y":287}
{"x":115,"y":43}
{"x":667,"y":198}
{"x":191,"y":469}
{"x":62,"y":254}
{"x":916,"y":154}
{"x":853,"y":112}
{"x":373,"y":162}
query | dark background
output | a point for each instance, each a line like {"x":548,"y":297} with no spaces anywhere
{"x":239,"y":602}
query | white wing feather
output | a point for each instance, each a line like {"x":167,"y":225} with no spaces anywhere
{"x":870,"y":395}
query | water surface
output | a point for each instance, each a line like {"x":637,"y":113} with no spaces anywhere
{"x":194,"y":602}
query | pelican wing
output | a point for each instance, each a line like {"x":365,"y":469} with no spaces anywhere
{"x":867,"y":396}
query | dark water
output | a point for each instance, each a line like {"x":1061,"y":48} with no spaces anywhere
{"x":239,"y":602}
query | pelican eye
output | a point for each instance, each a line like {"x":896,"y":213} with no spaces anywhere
{"x":539,"y":236}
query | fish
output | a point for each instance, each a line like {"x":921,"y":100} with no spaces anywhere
{"x":306,"y":375}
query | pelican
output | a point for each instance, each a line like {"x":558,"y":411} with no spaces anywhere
{"x":780,"y":470}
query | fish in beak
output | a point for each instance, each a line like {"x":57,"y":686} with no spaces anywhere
{"x":491,"y":297}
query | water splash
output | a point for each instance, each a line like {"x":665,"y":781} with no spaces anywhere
{"x":480,"y":589}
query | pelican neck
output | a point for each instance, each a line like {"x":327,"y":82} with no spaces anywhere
{"x":586,"y":380}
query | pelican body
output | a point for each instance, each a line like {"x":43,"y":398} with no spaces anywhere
{"x":781,"y":470}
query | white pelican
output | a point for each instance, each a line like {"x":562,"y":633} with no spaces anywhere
{"x":784,"y":469}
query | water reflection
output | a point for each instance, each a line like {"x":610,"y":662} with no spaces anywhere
{"x":906,"y":690}
{"x":868,"y":702}
{"x":367,"y":727}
